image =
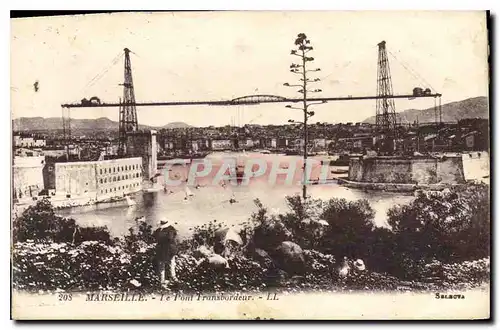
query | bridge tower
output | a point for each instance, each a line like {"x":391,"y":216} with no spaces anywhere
{"x":386,"y":110}
{"x":128,"y":111}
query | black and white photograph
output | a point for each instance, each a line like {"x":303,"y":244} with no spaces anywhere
{"x":250,"y":165}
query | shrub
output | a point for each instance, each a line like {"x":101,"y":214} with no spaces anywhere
{"x":302,"y":221}
{"x":39,"y":223}
{"x":89,"y":266}
{"x":243,"y":274}
{"x":449,"y":226}
{"x":264,"y":231}
{"x":466,"y":274}
{"x":350,"y":228}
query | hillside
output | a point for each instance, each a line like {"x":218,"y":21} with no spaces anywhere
{"x":176,"y":124}
{"x":476,"y":107}
{"x":55,"y":123}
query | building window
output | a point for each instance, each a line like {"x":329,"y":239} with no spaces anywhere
{"x":100,"y":181}
{"x":106,"y":191}
{"x":115,"y":188}
{"x":104,"y":171}
{"x":100,"y":172}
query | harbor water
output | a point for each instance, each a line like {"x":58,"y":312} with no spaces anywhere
{"x":211,"y":201}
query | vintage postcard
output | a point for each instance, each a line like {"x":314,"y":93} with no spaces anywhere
{"x":251,"y":165}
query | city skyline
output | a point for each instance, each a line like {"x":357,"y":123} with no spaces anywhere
{"x":181,"y":65}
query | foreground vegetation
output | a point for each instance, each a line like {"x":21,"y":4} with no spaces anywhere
{"x":439,"y":241}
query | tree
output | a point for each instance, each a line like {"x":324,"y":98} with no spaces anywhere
{"x":302,"y":50}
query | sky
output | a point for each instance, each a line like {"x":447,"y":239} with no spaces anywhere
{"x":224,"y":55}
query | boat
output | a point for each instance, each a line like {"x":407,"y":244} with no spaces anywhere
{"x":292,"y":152}
{"x":189,"y":193}
{"x":339,"y":171}
{"x":343,"y":160}
{"x":130,"y":201}
{"x":152,"y":188}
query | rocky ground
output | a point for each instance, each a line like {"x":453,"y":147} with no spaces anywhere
{"x":96,"y":266}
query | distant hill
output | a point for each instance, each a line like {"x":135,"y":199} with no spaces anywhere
{"x":55,"y":123}
{"x":476,"y":107}
{"x":176,"y":124}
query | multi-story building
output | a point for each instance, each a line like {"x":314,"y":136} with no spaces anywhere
{"x":319,"y":143}
{"x":28,"y":176}
{"x":118,"y":177}
{"x":98,"y":180}
{"x":282,"y":142}
{"x":28,"y":142}
{"x":223,"y":144}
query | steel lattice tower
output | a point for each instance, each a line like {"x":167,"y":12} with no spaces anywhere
{"x":128,"y":111}
{"x":386,"y":110}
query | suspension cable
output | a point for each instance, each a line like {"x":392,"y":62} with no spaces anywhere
{"x":103,"y":72}
{"x":98,"y":76}
{"x":413,"y":72}
{"x":410,"y":71}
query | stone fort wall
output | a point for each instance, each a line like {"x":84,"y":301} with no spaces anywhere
{"x":421,"y":170}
